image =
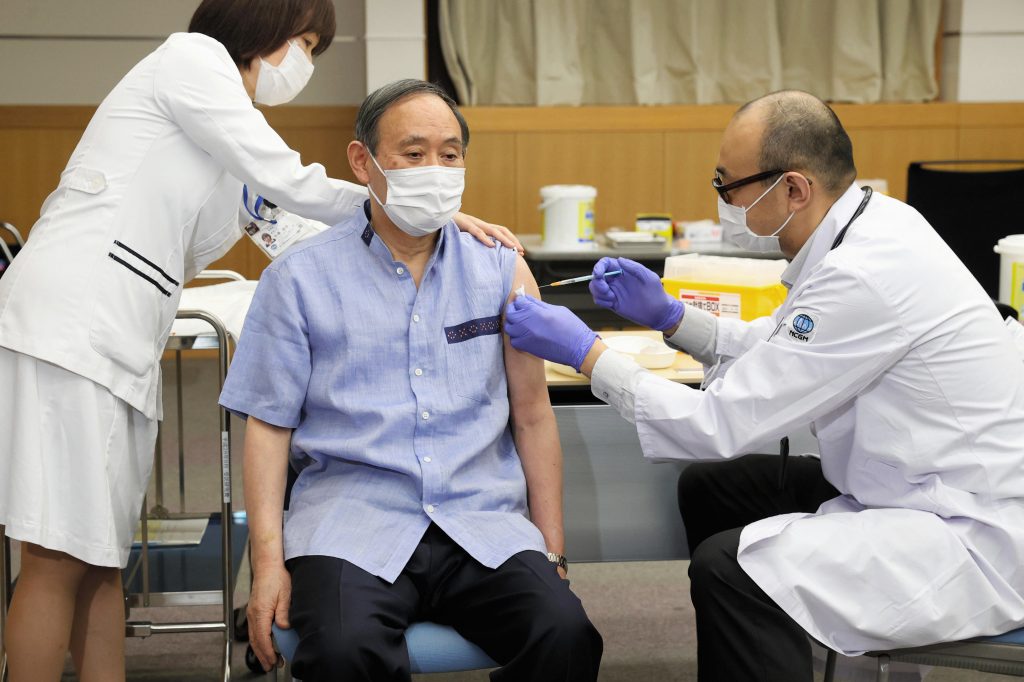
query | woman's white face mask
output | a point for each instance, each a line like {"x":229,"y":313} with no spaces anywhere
{"x":279,"y":84}
{"x":422,"y":200}
{"x":734,"y":226}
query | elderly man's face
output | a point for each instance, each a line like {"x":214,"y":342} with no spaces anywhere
{"x":417,"y":131}
{"x":738,"y":159}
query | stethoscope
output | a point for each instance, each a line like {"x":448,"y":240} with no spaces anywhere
{"x":784,"y":442}
{"x":838,"y":240}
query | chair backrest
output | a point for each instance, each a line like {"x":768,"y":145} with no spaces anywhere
{"x":971,"y":210}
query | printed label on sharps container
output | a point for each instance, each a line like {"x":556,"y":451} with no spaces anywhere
{"x":1017,"y":286}
{"x":718,"y":303}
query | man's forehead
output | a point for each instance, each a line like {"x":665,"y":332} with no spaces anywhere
{"x":419,"y":119}
{"x":741,"y":146}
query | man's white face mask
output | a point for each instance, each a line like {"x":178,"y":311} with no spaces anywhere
{"x":422,"y":200}
{"x":734,"y":226}
{"x":279,"y":84}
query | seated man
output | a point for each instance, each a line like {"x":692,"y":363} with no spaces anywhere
{"x":430,"y":471}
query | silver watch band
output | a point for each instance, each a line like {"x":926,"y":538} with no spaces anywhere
{"x":559,"y":560}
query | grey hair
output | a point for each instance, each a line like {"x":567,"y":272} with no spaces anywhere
{"x":802,"y":133}
{"x":383,"y":98}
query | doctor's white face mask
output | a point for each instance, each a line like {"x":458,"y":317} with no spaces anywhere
{"x":734,"y":226}
{"x":279,"y":84}
{"x":422,"y":200}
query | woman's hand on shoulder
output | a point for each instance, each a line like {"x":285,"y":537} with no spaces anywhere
{"x":486,"y":232}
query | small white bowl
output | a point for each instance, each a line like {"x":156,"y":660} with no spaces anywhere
{"x":647,"y":352}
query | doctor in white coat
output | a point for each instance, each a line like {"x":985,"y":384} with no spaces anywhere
{"x":911,"y":529}
{"x":150,"y":196}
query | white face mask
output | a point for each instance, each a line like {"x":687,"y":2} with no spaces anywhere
{"x":734,"y":226}
{"x":279,"y":84}
{"x":422,"y":200}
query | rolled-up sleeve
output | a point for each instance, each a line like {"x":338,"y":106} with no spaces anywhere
{"x":270,"y":370}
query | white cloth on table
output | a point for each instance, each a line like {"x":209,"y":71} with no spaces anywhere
{"x":77,"y":461}
{"x":229,"y":302}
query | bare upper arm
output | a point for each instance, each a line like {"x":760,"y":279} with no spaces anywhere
{"x":527,"y":387}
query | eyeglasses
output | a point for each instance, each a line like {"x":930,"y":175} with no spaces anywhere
{"x":723,"y":189}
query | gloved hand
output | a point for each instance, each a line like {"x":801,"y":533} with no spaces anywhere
{"x":637,"y":294}
{"x":548,"y":331}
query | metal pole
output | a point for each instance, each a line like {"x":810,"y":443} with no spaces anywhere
{"x":181,"y":436}
{"x":145,"y":554}
{"x":5,"y":594}
{"x":225,"y":473}
{"x":158,"y":511}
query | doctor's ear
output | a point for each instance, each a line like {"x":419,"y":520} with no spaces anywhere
{"x":359,"y":161}
{"x":798,"y":190}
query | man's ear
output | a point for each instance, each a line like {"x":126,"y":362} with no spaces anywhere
{"x":798,"y":190}
{"x":358,"y":160}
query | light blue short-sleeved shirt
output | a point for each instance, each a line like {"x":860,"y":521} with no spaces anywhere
{"x":397,"y":397}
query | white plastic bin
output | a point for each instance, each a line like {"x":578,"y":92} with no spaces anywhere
{"x":1011,"y":270}
{"x":568,"y":220}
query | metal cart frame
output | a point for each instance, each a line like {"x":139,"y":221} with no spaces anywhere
{"x":147,"y":597}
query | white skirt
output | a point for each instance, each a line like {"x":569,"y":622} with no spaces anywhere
{"x":74,"y":461}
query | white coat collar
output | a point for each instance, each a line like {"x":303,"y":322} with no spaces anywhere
{"x":821,"y":239}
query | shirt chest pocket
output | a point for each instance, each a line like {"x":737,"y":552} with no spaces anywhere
{"x":475,"y":358}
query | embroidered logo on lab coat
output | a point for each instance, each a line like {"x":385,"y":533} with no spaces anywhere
{"x":801,"y":326}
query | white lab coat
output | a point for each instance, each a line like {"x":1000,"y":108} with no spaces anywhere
{"x":916,"y":394}
{"x":150,"y":196}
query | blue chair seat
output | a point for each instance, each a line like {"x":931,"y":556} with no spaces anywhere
{"x":1011,"y":637}
{"x":433,"y":648}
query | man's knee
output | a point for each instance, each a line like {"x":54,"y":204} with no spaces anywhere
{"x":693,"y":483}
{"x":714,"y":563}
{"x":361,"y":653}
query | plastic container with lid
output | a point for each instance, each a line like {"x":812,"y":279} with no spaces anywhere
{"x":568,"y":216}
{"x":1011,"y":270}
{"x":740,"y":288}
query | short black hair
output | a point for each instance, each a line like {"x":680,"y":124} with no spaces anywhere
{"x":383,"y":98}
{"x":802,"y":133}
{"x":254,"y":28}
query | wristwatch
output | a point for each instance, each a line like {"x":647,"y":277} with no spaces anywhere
{"x":559,"y":560}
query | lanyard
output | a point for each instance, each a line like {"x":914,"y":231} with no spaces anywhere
{"x":856,"y":214}
{"x":255,"y":211}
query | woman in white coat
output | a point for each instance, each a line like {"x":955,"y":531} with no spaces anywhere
{"x":150,"y":196}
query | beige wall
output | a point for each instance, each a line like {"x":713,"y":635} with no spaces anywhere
{"x":75,"y":51}
{"x":639,"y":158}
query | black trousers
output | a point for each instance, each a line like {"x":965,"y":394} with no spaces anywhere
{"x":351,"y":624}
{"x":742,"y":635}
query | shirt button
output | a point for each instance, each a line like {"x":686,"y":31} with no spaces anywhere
{"x":415,"y":318}
{"x":430,"y":509}
{"x":427,"y":460}
{"x":400,"y":271}
{"x":425,"y":415}
{"x":418,"y":372}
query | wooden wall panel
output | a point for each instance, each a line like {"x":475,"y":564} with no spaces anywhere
{"x":639,"y":158}
{"x":627,"y":169}
{"x":886,"y":153}
{"x":690,"y":159}
{"x":490,"y":178}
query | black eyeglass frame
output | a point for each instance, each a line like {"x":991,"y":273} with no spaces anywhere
{"x":723,"y":190}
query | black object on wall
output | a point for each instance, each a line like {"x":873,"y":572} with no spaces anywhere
{"x":971,"y":210}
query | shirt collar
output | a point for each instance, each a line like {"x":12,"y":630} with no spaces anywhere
{"x":821,"y":239}
{"x":369,"y":233}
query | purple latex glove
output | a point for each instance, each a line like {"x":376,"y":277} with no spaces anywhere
{"x":548,"y":331}
{"x":637,"y":294}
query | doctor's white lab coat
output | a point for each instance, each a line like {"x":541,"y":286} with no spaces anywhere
{"x":151,"y":195}
{"x":897,"y":358}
